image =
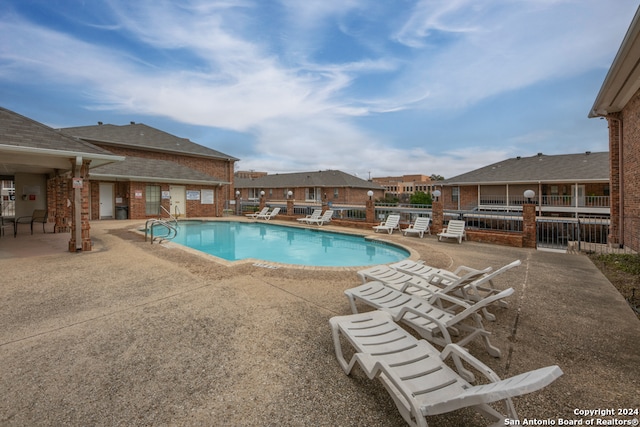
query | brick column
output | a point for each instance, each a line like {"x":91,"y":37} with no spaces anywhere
{"x":290,"y":204}
{"x":437,"y":216}
{"x":371,"y":212}
{"x":529,"y":226}
{"x":262,"y":201}
{"x":614,"y":238}
{"x":85,"y":227}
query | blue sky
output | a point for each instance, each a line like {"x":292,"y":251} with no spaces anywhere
{"x":370,"y":87}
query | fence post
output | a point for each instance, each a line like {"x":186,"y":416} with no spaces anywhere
{"x":290,"y":204}
{"x":437,"y":216}
{"x":371,"y":211}
{"x":529,"y":226}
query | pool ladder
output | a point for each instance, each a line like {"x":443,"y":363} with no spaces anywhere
{"x":170,"y":225}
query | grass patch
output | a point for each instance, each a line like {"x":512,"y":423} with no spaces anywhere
{"x":623,"y":271}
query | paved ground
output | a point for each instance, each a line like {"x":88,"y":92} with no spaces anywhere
{"x":133,"y":334}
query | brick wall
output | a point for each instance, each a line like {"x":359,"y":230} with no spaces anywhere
{"x":221,"y":170}
{"x":630,"y":182}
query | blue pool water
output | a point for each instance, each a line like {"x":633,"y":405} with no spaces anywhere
{"x":235,"y":241}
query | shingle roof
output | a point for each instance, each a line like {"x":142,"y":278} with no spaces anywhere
{"x":141,"y":169}
{"x":139,"y":135}
{"x":19,"y":131}
{"x":584,"y":167}
{"x":328,"y":178}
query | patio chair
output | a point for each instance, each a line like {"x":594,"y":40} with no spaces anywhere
{"x":417,"y":376}
{"x":5,"y":223}
{"x":325,"y":218}
{"x":267,"y":216}
{"x":471,"y":287}
{"x":316,"y":214}
{"x":426,"y":317}
{"x":391,"y":223}
{"x":419,"y":227}
{"x":255,"y":214}
{"x":38,"y":216}
{"x":454,"y":230}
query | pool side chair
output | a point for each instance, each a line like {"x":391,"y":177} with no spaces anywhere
{"x":391,"y":223}
{"x":419,"y":227}
{"x":267,"y":216}
{"x":38,"y":216}
{"x":417,"y":377}
{"x":454,"y":230}
{"x":324,"y":219}
{"x":419,"y":268}
{"x":256,"y":214}
{"x":426,"y":317}
{"x":316,"y":214}
{"x":426,"y":285}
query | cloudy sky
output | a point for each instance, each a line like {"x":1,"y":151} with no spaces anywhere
{"x":370,"y":87}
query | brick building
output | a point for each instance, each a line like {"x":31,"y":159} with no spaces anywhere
{"x":159,"y":170}
{"x":310,"y":187}
{"x":405,"y":185}
{"x":619,"y":102}
{"x":563,"y":185}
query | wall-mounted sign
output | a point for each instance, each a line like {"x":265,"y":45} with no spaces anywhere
{"x":138,"y":194}
{"x":166,"y":194}
{"x":193,"y":195}
{"x":77,"y":182}
{"x":207,"y":197}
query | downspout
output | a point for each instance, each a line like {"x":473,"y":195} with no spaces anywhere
{"x":77,"y":196}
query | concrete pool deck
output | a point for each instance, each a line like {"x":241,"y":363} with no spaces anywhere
{"x":139,"y":334}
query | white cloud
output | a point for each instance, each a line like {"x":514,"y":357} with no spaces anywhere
{"x":206,"y":63}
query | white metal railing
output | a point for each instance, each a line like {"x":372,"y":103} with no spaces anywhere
{"x":547,"y":200}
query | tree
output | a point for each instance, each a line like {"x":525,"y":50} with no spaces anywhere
{"x":420,"y":198}
{"x":436,"y":177}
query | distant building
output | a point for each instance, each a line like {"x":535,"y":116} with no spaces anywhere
{"x":405,"y":185}
{"x":249,"y":174}
{"x":311,"y":187}
{"x":567,"y":184}
{"x":619,"y":102}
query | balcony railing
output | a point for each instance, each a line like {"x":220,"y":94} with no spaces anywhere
{"x":564,"y":201}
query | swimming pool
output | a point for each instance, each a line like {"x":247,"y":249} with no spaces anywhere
{"x":234,"y":241}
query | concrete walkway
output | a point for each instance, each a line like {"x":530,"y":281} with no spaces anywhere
{"x":135,"y":334}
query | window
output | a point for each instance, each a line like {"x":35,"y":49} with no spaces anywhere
{"x":335,"y":193}
{"x":455,"y":194}
{"x":152,"y":200}
{"x":310,"y":194}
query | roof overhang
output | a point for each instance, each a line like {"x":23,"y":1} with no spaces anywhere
{"x":623,"y":79}
{"x":38,"y":160}
{"x":113,"y":177}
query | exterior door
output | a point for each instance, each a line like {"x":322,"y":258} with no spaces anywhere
{"x":106,"y":200}
{"x":178,"y":197}
{"x":578,"y":192}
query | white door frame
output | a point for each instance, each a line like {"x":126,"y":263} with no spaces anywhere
{"x":106,"y":201}
{"x":177,"y":200}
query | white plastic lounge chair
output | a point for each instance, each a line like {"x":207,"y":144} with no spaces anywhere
{"x":435,"y":281}
{"x":255,"y":214}
{"x":471,"y":287}
{"x":269,"y":215}
{"x":419,"y":227}
{"x":325,"y":218}
{"x":316,"y":214}
{"x":419,"y":268}
{"x":418,"y":379}
{"x":391,"y":223}
{"x":427,"y":318}
{"x":454,"y":230}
